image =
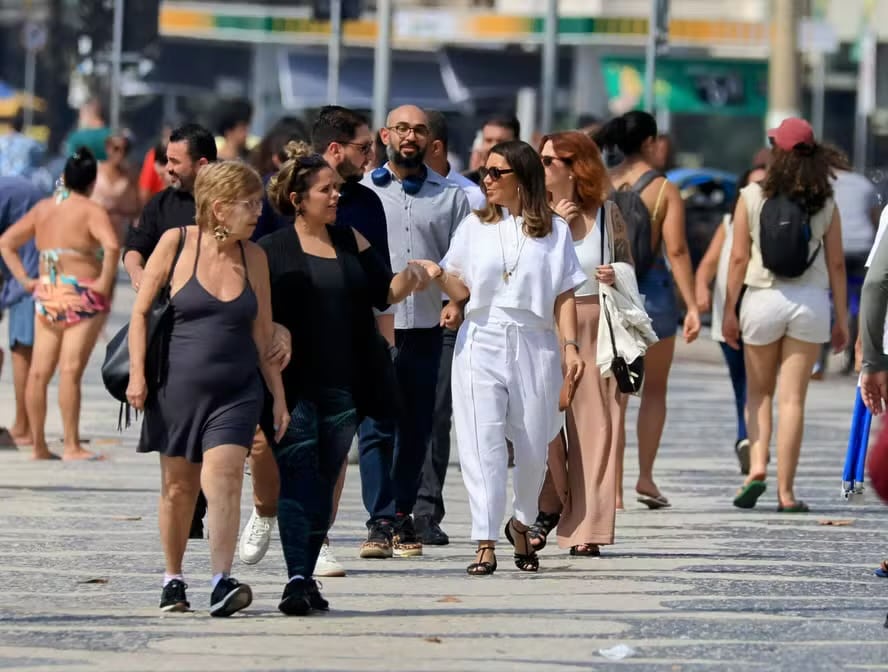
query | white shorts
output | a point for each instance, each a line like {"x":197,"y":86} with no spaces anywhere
{"x":798,"y":311}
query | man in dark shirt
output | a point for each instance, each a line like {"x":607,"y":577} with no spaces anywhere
{"x":191,"y":147}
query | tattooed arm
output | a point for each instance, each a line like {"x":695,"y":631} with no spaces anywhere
{"x":622,"y":248}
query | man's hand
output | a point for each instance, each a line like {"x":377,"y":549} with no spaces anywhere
{"x":281,"y":347}
{"x":451,"y":316}
{"x":874,"y":391}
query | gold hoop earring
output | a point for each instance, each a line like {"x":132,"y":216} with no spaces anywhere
{"x":221,"y":233}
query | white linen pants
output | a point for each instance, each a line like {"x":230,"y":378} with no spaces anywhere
{"x":506,"y":383}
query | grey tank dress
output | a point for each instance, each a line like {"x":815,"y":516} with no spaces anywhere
{"x":212,"y":392}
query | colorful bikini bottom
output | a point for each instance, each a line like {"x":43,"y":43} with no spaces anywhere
{"x":66,"y":301}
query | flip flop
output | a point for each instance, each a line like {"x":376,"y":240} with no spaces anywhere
{"x":749,"y":495}
{"x":654,"y":502}
{"x":882,"y":571}
{"x":797,"y":507}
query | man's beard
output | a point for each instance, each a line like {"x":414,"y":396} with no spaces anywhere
{"x":408,"y":162}
{"x":349,"y":172}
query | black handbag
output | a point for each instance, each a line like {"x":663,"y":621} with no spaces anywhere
{"x":629,"y":376}
{"x":116,"y":367}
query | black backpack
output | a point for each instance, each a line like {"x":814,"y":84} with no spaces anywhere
{"x":638,"y":221}
{"x":785,"y":236}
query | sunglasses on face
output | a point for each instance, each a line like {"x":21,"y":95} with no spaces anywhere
{"x":494,"y":173}
{"x":363,"y":147}
{"x":403,"y":130}
{"x":549,"y":160}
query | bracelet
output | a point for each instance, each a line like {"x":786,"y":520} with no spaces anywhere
{"x":571,"y":342}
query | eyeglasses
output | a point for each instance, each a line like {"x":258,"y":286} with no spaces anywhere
{"x":494,"y":173}
{"x":253,"y":204}
{"x":549,"y":160}
{"x":403,"y":130}
{"x":364,"y":147}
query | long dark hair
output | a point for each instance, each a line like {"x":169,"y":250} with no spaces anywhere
{"x":531,"y":176}
{"x":804,"y":174}
{"x":627,"y":133}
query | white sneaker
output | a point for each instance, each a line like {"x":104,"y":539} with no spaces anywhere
{"x":255,"y":538}
{"x":327,"y":564}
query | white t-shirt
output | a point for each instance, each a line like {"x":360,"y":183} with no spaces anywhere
{"x":883,"y":226}
{"x":540,"y":268}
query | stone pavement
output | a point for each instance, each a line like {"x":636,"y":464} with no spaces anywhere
{"x":702,"y":586}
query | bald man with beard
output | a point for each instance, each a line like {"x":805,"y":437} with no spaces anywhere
{"x":422,"y":211}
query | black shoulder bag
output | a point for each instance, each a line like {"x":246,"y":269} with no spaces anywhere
{"x":629,"y":376}
{"x":116,"y":367}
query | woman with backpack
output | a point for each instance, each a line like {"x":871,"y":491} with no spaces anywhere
{"x":714,"y":266}
{"x":654,"y":213}
{"x":579,"y":491}
{"x":787,"y":253}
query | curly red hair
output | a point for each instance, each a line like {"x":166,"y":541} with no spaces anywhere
{"x":590,"y":173}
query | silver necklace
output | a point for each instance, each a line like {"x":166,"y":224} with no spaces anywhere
{"x":509,"y":272}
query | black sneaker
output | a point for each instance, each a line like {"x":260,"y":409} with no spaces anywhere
{"x":379,"y":540}
{"x":173,"y":599}
{"x":229,"y":597}
{"x":296,"y":600}
{"x":430,"y":533}
{"x":405,"y":543}
{"x":315,"y":599}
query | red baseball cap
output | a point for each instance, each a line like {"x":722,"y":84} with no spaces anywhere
{"x":791,"y":133}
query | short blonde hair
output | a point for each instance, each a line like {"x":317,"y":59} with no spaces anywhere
{"x":222,"y":181}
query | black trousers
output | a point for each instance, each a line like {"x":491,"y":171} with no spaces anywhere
{"x":430,"y":499}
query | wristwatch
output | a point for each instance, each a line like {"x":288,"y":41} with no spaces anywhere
{"x":573,"y":343}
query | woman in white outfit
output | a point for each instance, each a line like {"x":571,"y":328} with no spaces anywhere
{"x":516,"y":264}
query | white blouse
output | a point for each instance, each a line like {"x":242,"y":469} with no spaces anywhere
{"x":504,"y":268}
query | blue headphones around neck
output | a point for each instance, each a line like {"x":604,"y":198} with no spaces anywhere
{"x":382,"y":176}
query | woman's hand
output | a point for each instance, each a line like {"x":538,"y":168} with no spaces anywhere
{"x":731,"y":329}
{"x":433,"y":270}
{"x":281,"y":348}
{"x":418,"y":275}
{"x":281,"y":418}
{"x":703,"y":297}
{"x":451,"y":316}
{"x":840,"y":336}
{"x":605,"y":275}
{"x":567,"y":210}
{"x":29,"y":285}
{"x":137,"y":392}
{"x":573,"y":363}
{"x":691,"y":325}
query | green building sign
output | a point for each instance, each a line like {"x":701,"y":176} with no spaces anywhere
{"x":686,"y":86}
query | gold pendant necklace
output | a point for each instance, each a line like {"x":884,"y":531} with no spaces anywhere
{"x":509,"y":272}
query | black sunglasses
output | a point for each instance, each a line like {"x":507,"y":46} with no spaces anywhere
{"x":549,"y":160}
{"x":494,"y":173}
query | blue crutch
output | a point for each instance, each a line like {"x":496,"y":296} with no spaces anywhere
{"x":855,"y":459}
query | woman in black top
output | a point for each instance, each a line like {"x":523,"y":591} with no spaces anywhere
{"x":325,"y":282}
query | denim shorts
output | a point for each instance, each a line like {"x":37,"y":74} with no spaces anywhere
{"x":21,"y":322}
{"x":658,"y":290}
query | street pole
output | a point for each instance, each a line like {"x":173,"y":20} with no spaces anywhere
{"x":866,"y":97}
{"x":818,"y":111}
{"x":382,"y":63}
{"x":334,"y":53}
{"x":783,"y":70}
{"x":550,"y":68}
{"x":30,"y":85}
{"x":116,"y":63}
{"x":650,"y":60}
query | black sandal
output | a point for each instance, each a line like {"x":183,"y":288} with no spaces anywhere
{"x":483,"y":568}
{"x":540,"y":530}
{"x":586,"y":551}
{"x":526,"y":562}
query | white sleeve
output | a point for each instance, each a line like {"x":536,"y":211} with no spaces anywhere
{"x":883,"y":224}
{"x":456,"y":260}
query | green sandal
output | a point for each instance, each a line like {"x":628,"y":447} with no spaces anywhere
{"x":749,"y":495}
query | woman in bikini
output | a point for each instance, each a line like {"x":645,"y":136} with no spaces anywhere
{"x":79,"y":251}
{"x":635,"y":136}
